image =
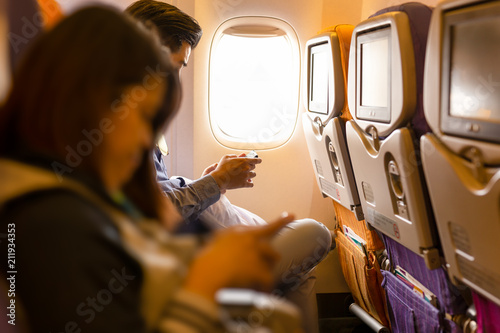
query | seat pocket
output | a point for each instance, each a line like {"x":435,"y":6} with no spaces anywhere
{"x":363,"y":277}
{"x":408,"y":311}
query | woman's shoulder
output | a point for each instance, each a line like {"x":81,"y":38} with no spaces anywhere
{"x":57,"y":207}
{"x":75,"y":252}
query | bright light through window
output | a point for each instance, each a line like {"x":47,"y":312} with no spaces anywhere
{"x":253,"y":89}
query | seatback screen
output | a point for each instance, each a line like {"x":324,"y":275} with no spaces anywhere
{"x":373,"y":66}
{"x":470,"y":78}
{"x":475,"y":70}
{"x":375,"y":73}
{"x":318,"y":80}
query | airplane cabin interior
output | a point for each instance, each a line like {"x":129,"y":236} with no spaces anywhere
{"x":378,"y":118}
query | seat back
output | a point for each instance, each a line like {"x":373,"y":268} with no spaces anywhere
{"x":385,"y":99}
{"x":25,"y":23}
{"x":51,"y":11}
{"x":461,"y":158}
{"x":27,"y":19}
{"x":324,"y":122}
{"x":487,"y":313}
{"x":383,"y":141}
{"x":325,"y":134}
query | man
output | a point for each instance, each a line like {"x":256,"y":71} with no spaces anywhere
{"x":201,"y":199}
{"x":181,"y":33}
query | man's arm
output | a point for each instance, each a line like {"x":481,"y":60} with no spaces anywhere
{"x":190,"y":199}
{"x":193,"y":198}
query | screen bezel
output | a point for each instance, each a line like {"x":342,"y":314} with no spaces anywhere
{"x":373,"y":113}
{"x":316,"y":106}
{"x":471,"y":128}
{"x":336,"y":89}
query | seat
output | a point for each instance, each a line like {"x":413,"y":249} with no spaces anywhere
{"x":385,"y":100}
{"x":487,"y":314}
{"x":24,"y":26}
{"x":324,"y":122}
{"x":325,"y":135}
{"x":461,"y":157}
{"x":383,"y":142}
{"x":52,"y":12}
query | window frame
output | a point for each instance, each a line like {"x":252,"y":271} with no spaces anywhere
{"x":255,"y":26}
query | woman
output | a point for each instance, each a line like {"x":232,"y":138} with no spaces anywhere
{"x":78,"y":193}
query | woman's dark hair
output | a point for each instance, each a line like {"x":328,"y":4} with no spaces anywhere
{"x":174,"y":25}
{"x":70,"y":79}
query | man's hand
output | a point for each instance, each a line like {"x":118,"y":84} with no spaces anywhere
{"x":233,"y":172}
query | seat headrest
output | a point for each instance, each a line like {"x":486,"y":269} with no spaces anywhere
{"x":344,"y":33}
{"x":419,"y":16}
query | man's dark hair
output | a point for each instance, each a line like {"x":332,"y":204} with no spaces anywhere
{"x":174,"y":25}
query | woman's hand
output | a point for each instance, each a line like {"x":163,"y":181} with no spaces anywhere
{"x":238,"y":257}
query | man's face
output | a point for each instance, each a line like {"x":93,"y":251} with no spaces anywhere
{"x":180,"y":58}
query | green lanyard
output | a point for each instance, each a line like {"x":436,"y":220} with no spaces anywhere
{"x":127,"y":205}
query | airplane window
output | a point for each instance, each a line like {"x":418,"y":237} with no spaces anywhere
{"x":254,"y":84}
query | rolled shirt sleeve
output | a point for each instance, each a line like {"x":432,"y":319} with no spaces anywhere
{"x":192,"y":198}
